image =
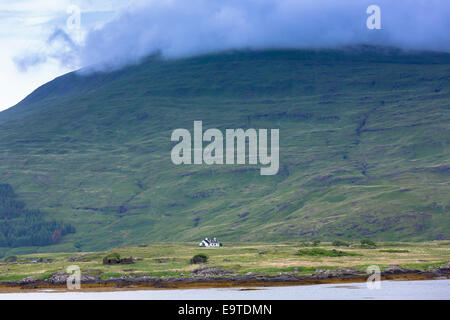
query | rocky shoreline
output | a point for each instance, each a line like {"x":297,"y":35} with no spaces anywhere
{"x":211,"y":277}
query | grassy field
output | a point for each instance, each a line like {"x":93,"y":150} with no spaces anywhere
{"x":173,"y":259}
{"x":363,"y":150}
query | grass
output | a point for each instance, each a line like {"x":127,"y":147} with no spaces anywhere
{"x":109,"y":275}
{"x":173,"y":260}
{"x":394,"y":251}
{"x":325,"y":253}
{"x":363,"y":150}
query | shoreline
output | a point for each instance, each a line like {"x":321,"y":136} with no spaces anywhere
{"x":244,"y":282}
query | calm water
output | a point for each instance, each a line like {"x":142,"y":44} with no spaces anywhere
{"x":433,"y":289}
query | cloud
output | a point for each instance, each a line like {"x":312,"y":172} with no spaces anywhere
{"x":59,"y":46}
{"x":24,"y":62}
{"x":179,"y":28}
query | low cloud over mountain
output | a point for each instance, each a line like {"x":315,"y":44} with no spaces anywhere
{"x":177,"y":28}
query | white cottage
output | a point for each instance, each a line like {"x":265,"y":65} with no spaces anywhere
{"x":210,"y":243}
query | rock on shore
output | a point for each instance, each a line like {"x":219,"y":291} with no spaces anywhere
{"x":218,"y":275}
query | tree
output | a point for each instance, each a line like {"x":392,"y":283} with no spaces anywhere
{"x":20,"y":226}
{"x":340,"y":243}
{"x":367,"y":243}
{"x":199,"y":258}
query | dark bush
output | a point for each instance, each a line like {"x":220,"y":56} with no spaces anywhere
{"x":340,"y":243}
{"x":324,"y":253}
{"x":316,"y":243}
{"x":394,"y":251}
{"x":112,"y":258}
{"x":367,"y":243}
{"x":126,"y":260}
{"x":10,"y":259}
{"x":199,"y":258}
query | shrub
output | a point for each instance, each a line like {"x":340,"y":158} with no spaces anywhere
{"x":10,"y":259}
{"x":340,"y":243}
{"x":394,"y":251}
{"x":324,"y":253}
{"x":367,"y":243}
{"x":199,"y":258}
{"x":112,"y":258}
{"x":316,"y":243}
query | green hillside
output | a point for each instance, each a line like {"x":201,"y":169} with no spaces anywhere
{"x":364,"y":150}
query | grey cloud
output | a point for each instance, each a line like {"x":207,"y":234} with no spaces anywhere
{"x":181,"y":28}
{"x":178,"y":28}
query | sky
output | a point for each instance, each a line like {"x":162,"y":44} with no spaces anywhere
{"x":25,"y":28}
{"x":42,"y":39}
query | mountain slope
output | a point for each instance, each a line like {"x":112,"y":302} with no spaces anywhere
{"x":363,"y":148}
